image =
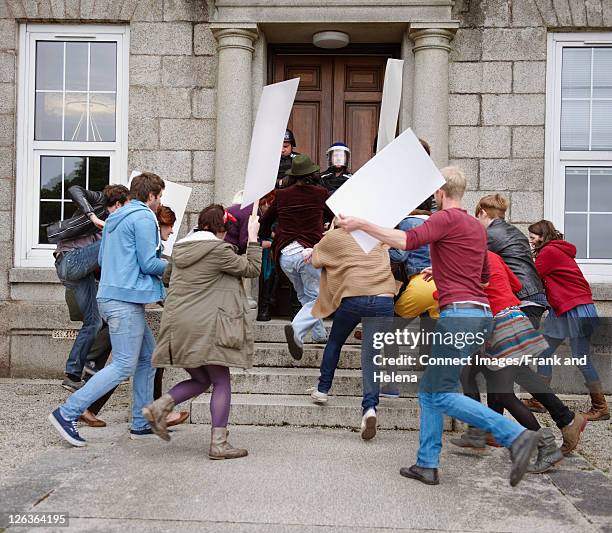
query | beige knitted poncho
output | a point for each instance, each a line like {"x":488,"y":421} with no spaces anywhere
{"x":348,"y":271}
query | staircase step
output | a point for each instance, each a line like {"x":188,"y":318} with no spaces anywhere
{"x":276,"y":354}
{"x":273,"y":331}
{"x":295,"y":381}
{"x":341,"y":411}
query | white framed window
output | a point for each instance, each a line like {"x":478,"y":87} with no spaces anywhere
{"x":578,"y":167}
{"x":71,"y":125}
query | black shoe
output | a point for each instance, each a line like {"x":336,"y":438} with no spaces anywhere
{"x":429,"y":476}
{"x":263,"y":315}
{"x":89,"y":370}
{"x":72,"y":385}
{"x":296,"y":350}
{"x":521,"y":451}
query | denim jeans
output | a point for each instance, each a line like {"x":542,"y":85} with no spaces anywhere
{"x":133,"y":346}
{"x":75,"y":270}
{"x":305,"y":280}
{"x":580,"y":346}
{"x":435,"y":404}
{"x":350,"y":313}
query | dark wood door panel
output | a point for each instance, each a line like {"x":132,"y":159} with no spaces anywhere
{"x":305,"y":122}
{"x":361,"y":126}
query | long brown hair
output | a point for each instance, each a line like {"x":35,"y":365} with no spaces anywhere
{"x":546,"y":230}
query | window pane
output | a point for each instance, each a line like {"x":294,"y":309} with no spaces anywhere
{"x":48,"y":117}
{"x":69,"y":208}
{"x":99,"y":172}
{"x":103,"y":69}
{"x":575,"y":125}
{"x":74,"y":172}
{"x":75,"y":120}
{"x":50,"y":177}
{"x":576,"y":73}
{"x":601,"y":190}
{"x":576,"y":233}
{"x":602,"y":73}
{"x":49,"y":65}
{"x":76,"y":66}
{"x":601,"y":237}
{"x":576,"y":189}
{"x":49,"y":213}
{"x":102,"y":117}
{"x":601,"y":133}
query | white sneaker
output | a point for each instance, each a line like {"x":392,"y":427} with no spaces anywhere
{"x":368,"y":424}
{"x":320,"y":398}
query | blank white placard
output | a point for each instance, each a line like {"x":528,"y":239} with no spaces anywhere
{"x":267,"y":140}
{"x":390,"y":106}
{"x":388,"y":187}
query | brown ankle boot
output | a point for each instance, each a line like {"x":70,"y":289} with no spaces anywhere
{"x":532,"y":404}
{"x":156,"y":414}
{"x":599,"y":406}
{"x":571,"y":433}
{"x":220,"y":448}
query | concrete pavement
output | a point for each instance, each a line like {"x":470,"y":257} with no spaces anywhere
{"x":298,"y":479}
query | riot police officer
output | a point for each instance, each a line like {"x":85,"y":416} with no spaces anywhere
{"x":287,"y":155}
{"x":338,"y":160}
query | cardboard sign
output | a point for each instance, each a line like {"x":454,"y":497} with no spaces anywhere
{"x":391,"y":98}
{"x":267,"y":140}
{"x":175,"y":197}
{"x":388,"y":187}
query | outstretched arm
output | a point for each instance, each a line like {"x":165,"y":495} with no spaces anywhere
{"x":395,"y":238}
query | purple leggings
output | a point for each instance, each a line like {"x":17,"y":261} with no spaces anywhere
{"x":201,"y":378}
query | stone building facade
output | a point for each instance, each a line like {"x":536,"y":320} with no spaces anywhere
{"x":482,"y":82}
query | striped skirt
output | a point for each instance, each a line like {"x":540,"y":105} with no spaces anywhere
{"x":513,"y":335}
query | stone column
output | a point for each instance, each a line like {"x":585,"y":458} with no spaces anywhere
{"x":430,"y":92}
{"x":234,"y":108}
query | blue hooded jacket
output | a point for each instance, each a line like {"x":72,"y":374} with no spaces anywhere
{"x":131,"y":268}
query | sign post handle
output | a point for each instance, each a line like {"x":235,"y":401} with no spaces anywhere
{"x":255,"y":208}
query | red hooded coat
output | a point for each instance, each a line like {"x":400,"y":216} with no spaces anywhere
{"x":565,"y":285}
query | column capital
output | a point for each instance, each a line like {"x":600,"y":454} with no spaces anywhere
{"x":432,"y":35}
{"x":235,"y":36}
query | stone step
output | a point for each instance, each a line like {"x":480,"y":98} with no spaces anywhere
{"x":273,"y":331}
{"x":276,"y":354}
{"x":295,"y":410}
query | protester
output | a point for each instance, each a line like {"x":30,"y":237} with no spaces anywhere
{"x":354,"y":285}
{"x":459,"y":265}
{"x":300,"y":210}
{"x":338,"y":161}
{"x":268,"y":278}
{"x":573,"y":313}
{"x":76,"y":260}
{"x":131,"y":271}
{"x":205,"y":327}
{"x":513,"y":336}
{"x":166,"y":218}
{"x":513,"y":247}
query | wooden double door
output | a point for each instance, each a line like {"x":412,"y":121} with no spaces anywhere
{"x":338,"y":100}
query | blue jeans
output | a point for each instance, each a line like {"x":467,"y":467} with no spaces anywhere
{"x":580,"y":346}
{"x":434,"y":405}
{"x":75,"y":270}
{"x":305,"y":280}
{"x":350,"y":313}
{"x":133,"y":346}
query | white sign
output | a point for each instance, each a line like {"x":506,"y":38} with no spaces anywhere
{"x":391,"y":98}
{"x":175,"y":197}
{"x":267,"y":139}
{"x":388,"y":187}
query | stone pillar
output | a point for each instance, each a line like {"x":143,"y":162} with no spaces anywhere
{"x":430,"y":92}
{"x":234,"y":108}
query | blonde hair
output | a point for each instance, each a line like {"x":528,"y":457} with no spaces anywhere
{"x":494,"y":205}
{"x":455,"y":182}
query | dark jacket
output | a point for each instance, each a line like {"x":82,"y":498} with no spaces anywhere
{"x":79,"y":225}
{"x":512,"y":246}
{"x":238,"y":232}
{"x":300,"y":211}
{"x":332,"y":182}
{"x":414,"y":260}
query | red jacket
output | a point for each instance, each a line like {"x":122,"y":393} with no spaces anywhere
{"x":502,"y":285}
{"x":563,"y":280}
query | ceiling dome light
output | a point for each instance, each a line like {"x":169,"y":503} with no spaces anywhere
{"x":331,"y":39}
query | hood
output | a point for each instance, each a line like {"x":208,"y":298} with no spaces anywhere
{"x":195,"y":246}
{"x":566,"y":247}
{"x":114,"y":219}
